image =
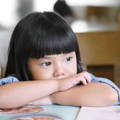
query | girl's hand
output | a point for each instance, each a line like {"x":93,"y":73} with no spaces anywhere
{"x":67,"y":83}
{"x":85,"y":78}
{"x":42,"y":101}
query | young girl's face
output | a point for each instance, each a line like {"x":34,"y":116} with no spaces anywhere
{"x":53,"y":66}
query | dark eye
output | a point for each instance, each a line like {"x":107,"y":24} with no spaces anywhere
{"x":46,"y":64}
{"x":68,"y":59}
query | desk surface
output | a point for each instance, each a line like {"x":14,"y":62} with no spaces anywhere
{"x":99,"y":113}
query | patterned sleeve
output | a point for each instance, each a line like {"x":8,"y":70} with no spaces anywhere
{"x":7,"y":80}
{"x":107,"y":81}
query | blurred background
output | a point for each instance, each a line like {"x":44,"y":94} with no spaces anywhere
{"x":95,"y":22}
{"x":83,"y":15}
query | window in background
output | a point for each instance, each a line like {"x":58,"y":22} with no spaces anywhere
{"x":94,"y":2}
{"x":11,"y":11}
{"x":44,"y":5}
{"x":8,"y":15}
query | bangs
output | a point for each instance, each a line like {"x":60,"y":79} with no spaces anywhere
{"x":53,"y":42}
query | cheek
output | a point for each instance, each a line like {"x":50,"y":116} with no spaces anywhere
{"x":72,"y":68}
{"x":75,"y":66}
{"x":38,"y":73}
{"x":42,"y":74}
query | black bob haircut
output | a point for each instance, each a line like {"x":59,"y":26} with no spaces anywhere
{"x":36,"y":35}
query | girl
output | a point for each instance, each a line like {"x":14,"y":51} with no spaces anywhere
{"x":44,"y":67}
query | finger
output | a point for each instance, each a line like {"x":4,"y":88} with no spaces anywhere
{"x":87,"y":77}
{"x":82,"y":77}
{"x":84,"y":81}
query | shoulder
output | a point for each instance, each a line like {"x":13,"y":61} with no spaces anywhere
{"x":7,"y":80}
{"x":103,"y":80}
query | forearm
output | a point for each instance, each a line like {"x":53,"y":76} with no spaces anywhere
{"x":20,"y":93}
{"x":93,"y":94}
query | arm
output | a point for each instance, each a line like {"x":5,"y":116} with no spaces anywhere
{"x":84,"y":78}
{"x":42,"y":101}
{"x":93,"y":94}
{"x":20,"y":93}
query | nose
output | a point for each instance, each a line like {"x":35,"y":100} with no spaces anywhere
{"x":59,"y":70}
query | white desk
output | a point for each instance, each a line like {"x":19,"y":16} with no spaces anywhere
{"x":99,"y":113}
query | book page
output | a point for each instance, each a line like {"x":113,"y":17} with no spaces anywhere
{"x":47,"y":112}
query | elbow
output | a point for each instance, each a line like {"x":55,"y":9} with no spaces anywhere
{"x":8,"y":106}
{"x":112,"y":97}
{"x":5,"y":103}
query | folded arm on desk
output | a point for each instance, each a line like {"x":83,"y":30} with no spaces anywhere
{"x":93,"y":94}
{"x":100,"y":92}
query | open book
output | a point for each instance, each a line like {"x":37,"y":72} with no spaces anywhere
{"x":48,"y":112}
